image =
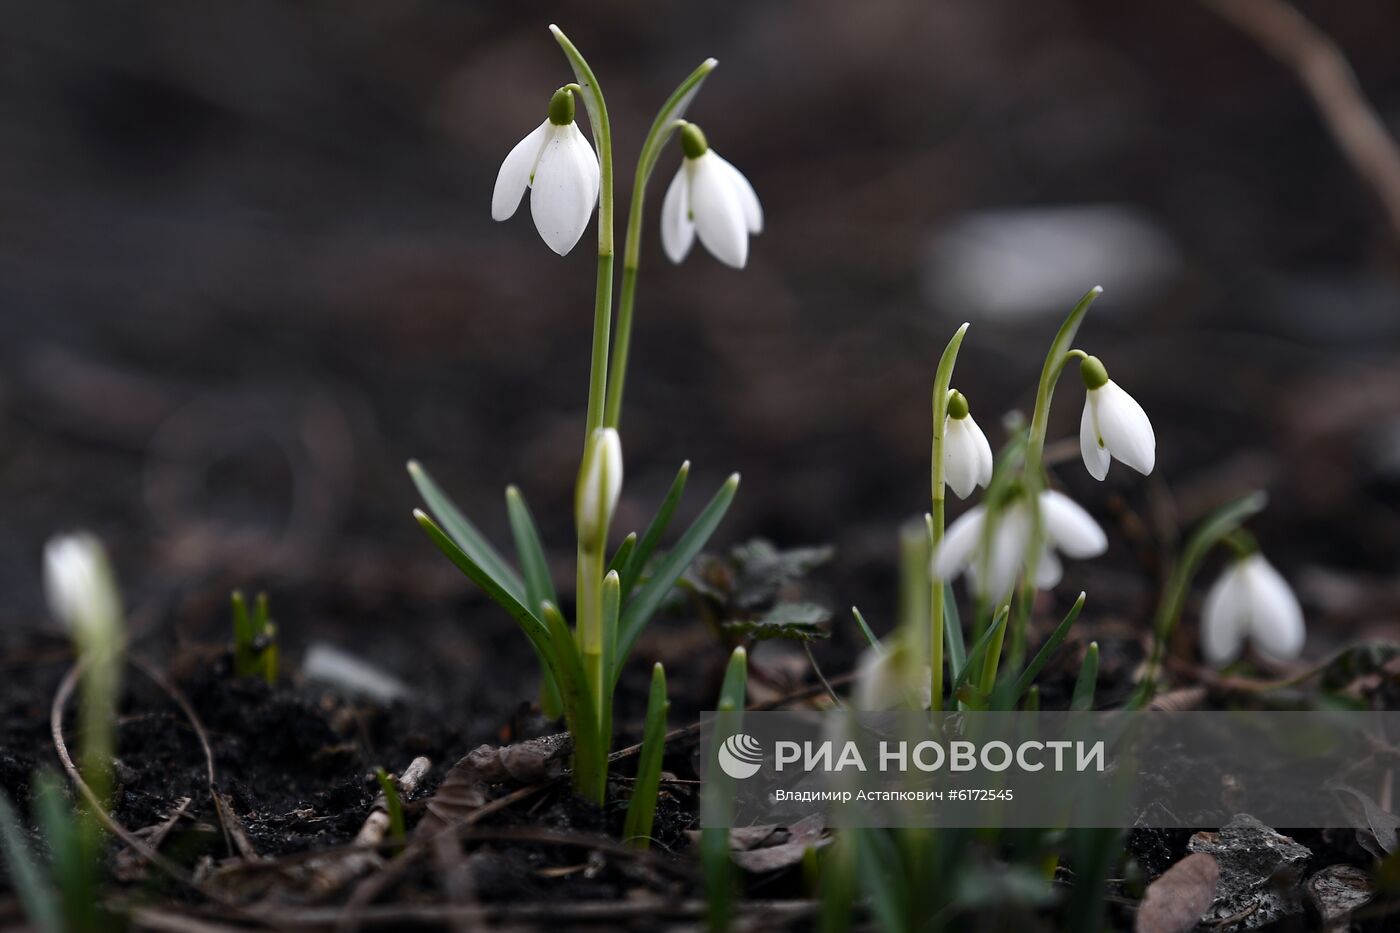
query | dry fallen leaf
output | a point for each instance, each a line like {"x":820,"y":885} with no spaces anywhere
{"x":1176,"y":901}
{"x":466,"y":787}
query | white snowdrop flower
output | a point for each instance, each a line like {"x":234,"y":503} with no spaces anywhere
{"x":599,"y":486}
{"x":992,"y":571}
{"x":967,"y":457}
{"x":1113,"y":425}
{"x":558,"y":164}
{"x":712,"y":197}
{"x":81,"y":589}
{"x":1251,"y":600}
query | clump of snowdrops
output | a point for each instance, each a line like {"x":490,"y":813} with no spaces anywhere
{"x":617,"y":589}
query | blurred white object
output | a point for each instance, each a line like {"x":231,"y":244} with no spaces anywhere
{"x":342,"y":671}
{"x":82,"y":590}
{"x":1022,"y":262}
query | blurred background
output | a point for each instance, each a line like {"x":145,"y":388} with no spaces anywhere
{"x":247,"y":269}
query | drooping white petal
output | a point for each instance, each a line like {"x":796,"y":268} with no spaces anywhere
{"x":1124,"y":427}
{"x":1070,"y":528}
{"x":1224,"y":618}
{"x":565,"y":188}
{"x":1006,"y":555}
{"x":985,"y":463}
{"x":1096,"y":457}
{"x":959,"y":545}
{"x":962,"y":455}
{"x":515,"y":173}
{"x":717,"y":211}
{"x":677,"y":229}
{"x":748,"y":198}
{"x":1275,"y":617}
{"x":1048,"y":569}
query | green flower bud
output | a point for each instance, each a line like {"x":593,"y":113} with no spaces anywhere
{"x":957,"y":405}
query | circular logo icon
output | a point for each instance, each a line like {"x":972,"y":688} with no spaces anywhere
{"x":740,"y":756}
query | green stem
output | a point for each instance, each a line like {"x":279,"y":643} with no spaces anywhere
{"x":941,"y":385}
{"x":1055,"y":362}
{"x":1061,"y":352}
{"x":597,"y":108}
{"x":662,"y":127}
{"x":591,"y":568}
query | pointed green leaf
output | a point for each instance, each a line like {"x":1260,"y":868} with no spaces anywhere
{"x":865,"y":630}
{"x":648,"y":598}
{"x":623,"y":552}
{"x":952,"y":629}
{"x":534,"y":629}
{"x":530,"y":551}
{"x":974,"y":657}
{"x":641,"y":809}
{"x":637,"y":560}
{"x":1042,"y":657}
{"x":1083,"y":697}
{"x":466,"y":536}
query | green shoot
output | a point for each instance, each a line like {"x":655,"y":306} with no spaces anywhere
{"x":37,"y":899}
{"x":255,"y":651}
{"x":393,"y":805}
{"x":641,"y":809}
{"x":1083,"y":696}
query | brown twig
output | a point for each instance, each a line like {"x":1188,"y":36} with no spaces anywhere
{"x":98,"y":808}
{"x":1322,"y":68}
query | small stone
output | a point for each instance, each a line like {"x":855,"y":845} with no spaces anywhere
{"x":1260,"y":871}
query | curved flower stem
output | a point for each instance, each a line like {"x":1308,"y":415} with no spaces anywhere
{"x":941,"y":385}
{"x":1061,"y":352}
{"x":592,"y":96}
{"x":667,"y":119}
{"x":1217,"y":528}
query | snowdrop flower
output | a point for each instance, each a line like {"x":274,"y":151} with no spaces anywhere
{"x":599,"y":486}
{"x":992,"y":572}
{"x":558,"y":165}
{"x":712,"y":197}
{"x":1113,"y":424}
{"x":967,"y":457}
{"x":81,"y":589}
{"x":1251,"y":599}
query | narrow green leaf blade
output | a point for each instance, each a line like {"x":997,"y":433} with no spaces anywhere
{"x":534,"y":629}
{"x":646,"y":546}
{"x":1043,"y":656}
{"x":952,"y":629}
{"x":865,"y":630}
{"x":624,"y":551}
{"x":530,"y":551}
{"x":38,"y":900}
{"x":466,"y":536}
{"x":974,"y":657}
{"x":1083,"y":697}
{"x":648,"y":598}
{"x":733,"y":691}
{"x":641,"y":809}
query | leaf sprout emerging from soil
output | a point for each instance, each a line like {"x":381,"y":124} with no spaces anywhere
{"x":255,"y":652}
